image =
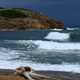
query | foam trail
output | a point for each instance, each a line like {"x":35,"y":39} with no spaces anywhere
{"x":51,"y":45}
{"x":44,"y":67}
{"x":12,"y":64}
{"x":56,"y":45}
{"x":57,"y":36}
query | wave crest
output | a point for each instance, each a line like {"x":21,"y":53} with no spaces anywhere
{"x":57,"y":36}
{"x":49,"y":45}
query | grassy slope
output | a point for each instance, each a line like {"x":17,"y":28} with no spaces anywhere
{"x":17,"y":12}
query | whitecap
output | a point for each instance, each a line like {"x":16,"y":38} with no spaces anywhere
{"x":57,"y":36}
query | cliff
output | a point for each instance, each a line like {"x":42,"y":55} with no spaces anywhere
{"x":24,"y":19}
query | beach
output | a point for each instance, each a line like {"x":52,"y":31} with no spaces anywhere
{"x":8,"y":74}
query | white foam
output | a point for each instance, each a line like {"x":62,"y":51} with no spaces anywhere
{"x":12,"y":64}
{"x":44,"y":67}
{"x":6,"y":54}
{"x":51,"y":45}
{"x":72,"y":28}
{"x":57,"y":29}
{"x":57,"y":45}
{"x":57,"y":36}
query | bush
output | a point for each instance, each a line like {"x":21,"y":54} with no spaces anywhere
{"x":10,"y":13}
{"x":1,"y":8}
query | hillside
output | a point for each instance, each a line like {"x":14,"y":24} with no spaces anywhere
{"x":24,"y":19}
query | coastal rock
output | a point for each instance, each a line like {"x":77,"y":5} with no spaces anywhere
{"x":24,"y":19}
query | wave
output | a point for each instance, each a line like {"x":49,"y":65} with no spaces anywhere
{"x":57,"y":36}
{"x":38,"y":66}
{"x":14,"y":58}
{"x":7,"y":54}
{"x":49,"y":35}
{"x":75,"y":36}
{"x":44,"y":56}
{"x":51,"y":45}
{"x":31,"y":45}
{"x":72,"y":28}
{"x":65,"y":36}
{"x":57,"y":29}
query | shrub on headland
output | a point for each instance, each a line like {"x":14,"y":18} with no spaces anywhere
{"x":11,"y":13}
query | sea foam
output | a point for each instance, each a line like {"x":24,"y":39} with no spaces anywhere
{"x":44,"y":67}
{"x":51,"y":45}
{"x":12,"y":64}
{"x":57,"y":36}
{"x":57,"y":45}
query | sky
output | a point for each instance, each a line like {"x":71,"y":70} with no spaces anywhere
{"x":65,"y":10}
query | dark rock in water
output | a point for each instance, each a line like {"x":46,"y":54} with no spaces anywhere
{"x":75,"y":36}
{"x":25,"y":19}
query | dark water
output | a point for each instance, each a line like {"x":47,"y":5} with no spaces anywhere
{"x":65,"y":10}
{"x":41,"y":49}
{"x":74,"y":35}
{"x":18,"y":35}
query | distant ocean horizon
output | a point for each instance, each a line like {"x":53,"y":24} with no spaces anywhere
{"x":64,"y":10}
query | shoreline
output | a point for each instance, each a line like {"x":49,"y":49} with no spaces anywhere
{"x":8,"y":74}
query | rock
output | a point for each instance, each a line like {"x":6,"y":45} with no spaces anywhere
{"x":24,"y":19}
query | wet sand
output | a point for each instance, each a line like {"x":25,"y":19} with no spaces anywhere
{"x":7,"y":74}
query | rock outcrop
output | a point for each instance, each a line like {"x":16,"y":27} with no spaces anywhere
{"x":24,"y":19}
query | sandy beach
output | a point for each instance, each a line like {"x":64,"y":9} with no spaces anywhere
{"x":6,"y":74}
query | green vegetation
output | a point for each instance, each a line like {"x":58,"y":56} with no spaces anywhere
{"x":12,"y":13}
{"x":17,"y":13}
{"x":1,"y":8}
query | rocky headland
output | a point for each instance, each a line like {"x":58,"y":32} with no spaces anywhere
{"x":24,"y":19}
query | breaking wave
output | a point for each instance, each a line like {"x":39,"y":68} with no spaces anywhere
{"x":50,"y":45}
{"x":41,"y":60}
{"x":12,"y":64}
{"x":57,"y":36}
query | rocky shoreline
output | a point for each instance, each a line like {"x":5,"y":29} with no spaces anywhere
{"x":24,"y":19}
{"x":7,"y":74}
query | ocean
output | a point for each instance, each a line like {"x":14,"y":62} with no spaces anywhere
{"x":55,"y":50}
